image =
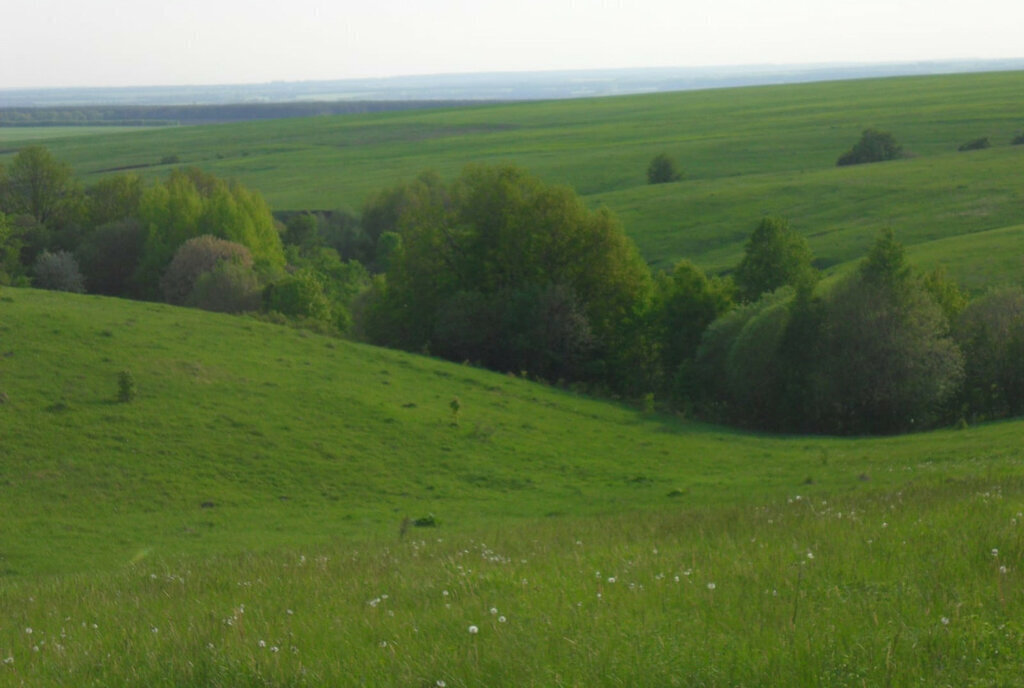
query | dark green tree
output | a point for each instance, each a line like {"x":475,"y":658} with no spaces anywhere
{"x":662,"y":170}
{"x":38,"y":185}
{"x":774,"y":256}
{"x":990,"y":330}
{"x":874,"y":146}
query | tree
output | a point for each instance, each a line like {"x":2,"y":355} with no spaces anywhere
{"x":231,"y":287}
{"x":774,"y":256}
{"x":498,"y":230}
{"x":114,"y":198}
{"x":109,"y":256}
{"x":299,"y":295}
{"x":662,"y":170}
{"x":57,"y":271}
{"x":874,"y":146}
{"x":10,"y":251}
{"x":990,"y":330}
{"x":191,"y":203}
{"x":37,"y":184}
{"x":196,"y":257}
{"x":887,"y":362}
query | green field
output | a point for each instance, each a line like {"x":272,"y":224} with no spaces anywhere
{"x":19,"y":135}
{"x":745,"y":152}
{"x":239,"y":524}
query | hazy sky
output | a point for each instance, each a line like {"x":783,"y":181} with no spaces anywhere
{"x":49,"y":43}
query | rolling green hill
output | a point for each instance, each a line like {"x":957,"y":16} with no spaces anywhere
{"x":239,"y":522}
{"x":745,"y":152}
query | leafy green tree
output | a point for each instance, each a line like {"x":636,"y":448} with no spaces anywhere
{"x":109,"y":256}
{"x":499,"y":230}
{"x":37,"y":184}
{"x":115,"y":198}
{"x":873,"y":146}
{"x":194,"y":258}
{"x":685,"y":303}
{"x":888,"y":363}
{"x":191,"y":203}
{"x":230,"y":287}
{"x":774,"y":256}
{"x":10,"y":251}
{"x":662,"y":170}
{"x":990,"y":330}
{"x":299,"y":295}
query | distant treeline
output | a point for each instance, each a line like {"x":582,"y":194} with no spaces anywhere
{"x":152,"y":115}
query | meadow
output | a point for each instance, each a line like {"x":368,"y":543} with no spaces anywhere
{"x":745,"y":152}
{"x":240,"y":523}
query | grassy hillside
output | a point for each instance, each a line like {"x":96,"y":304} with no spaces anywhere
{"x":238,"y":524}
{"x":745,"y":152}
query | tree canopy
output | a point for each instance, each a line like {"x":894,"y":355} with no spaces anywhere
{"x":873,"y":146}
{"x":774,"y":256}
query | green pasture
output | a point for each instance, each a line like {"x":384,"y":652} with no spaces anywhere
{"x":240,"y":524}
{"x":48,"y":135}
{"x":745,"y":152}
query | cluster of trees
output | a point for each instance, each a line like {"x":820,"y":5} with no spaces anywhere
{"x":501,"y":270}
{"x":192,"y":239}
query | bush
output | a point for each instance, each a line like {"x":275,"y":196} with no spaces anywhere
{"x":126,"y":389}
{"x":195,"y":257}
{"x":874,"y":146}
{"x":991,"y":332}
{"x":228,"y":288}
{"x":298,"y":296}
{"x":662,"y":170}
{"x":976,"y":144}
{"x":110,"y":255}
{"x":1018,"y":139}
{"x":58,"y":271}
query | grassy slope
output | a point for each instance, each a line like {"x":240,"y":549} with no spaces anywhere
{"x":593,"y":531}
{"x":296,"y":438}
{"x":746,"y":152}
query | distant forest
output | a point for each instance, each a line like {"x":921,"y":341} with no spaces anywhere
{"x":153,"y":115}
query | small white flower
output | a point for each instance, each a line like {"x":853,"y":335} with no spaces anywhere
{"x":28,"y":630}
{"x":383,"y":643}
{"x":444,"y":593}
{"x":275,"y":649}
{"x":155,"y":629}
{"x":502,"y":619}
{"x":810,"y":555}
{"x":494,"y":610}
{"x":9,"y":660}
{"x":209,"y":646}
{"x":945,"y":620}
{"x":884,"y":524}
{"x":995,"y":552}
{"x":262,"y":643}
{"x":1003,"y":569}
{"x":289,"y":612}
{"x":711,"y":586}
{"x":35,"y":648}
{"x":611,"y":579}
{"x":473,"y":630}
{"x":440,"y":683}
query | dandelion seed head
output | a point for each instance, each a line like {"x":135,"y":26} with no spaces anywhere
{"x":810,"y":555}
{"x":711,"y":586}
{"x":1003,"y":569}
{"x":945,"y":620}
{"x":611,"y":579}
{"x":502,"y":619}
{"x":8,"y":660}
{"x":262,"y":643}
{"x":28,"y":630}
{"x":494,"y":610}
{"x":440,"y":683}
{"x":995,"y":552}
{"x":473,"y":630}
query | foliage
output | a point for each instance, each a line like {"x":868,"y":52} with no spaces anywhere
{"x":58,"y":272}
{"x":299,"y":295}
{"x":887,"y":362}
{"x":230,"y":287}
{"x":774,"y":256}
{"x":115,"y":198}
{"x":1018,"y":139}
{"x":662,"y":170}
{"x":109,"y":256}
{"x":196,"y":257}
{"x":498,"y":230}
{"x":685,"y":302}
{"x":191,"y":203}
{"x":990,"y":330}
{"x":975,"y":144}
{"x":10,"y":251}
{"x":874,"y":146}
{"x":37,"y":184}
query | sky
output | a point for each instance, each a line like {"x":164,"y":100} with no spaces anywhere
{"x":77,"y":43}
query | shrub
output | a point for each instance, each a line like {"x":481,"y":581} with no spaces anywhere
{"x":662,"y":170}
{"x":126,"y":389}
{"x":110,"y":255}
{"x":58,"y":271}
{"x":298,"y":296}
{"x":1018,"y":139}
{"x":228,"y":288}
{"x":976,"y":144}
{"x":991,"y":332}
{"x":195,"y":257}
{"x":874,"y":146}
